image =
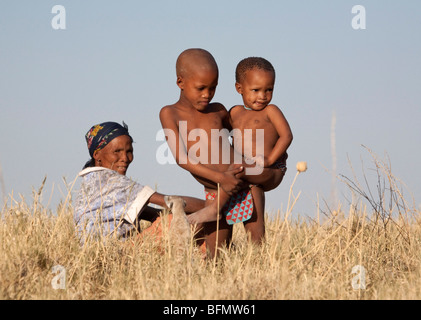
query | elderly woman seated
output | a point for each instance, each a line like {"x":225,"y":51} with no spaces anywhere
{"x":108,"y":202}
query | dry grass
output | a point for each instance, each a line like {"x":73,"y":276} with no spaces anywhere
{"x":300,"y":259}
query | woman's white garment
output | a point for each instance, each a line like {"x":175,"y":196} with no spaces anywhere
{"x":108,"y":203}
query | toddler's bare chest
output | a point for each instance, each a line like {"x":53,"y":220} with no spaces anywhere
{"x":248,"y":120}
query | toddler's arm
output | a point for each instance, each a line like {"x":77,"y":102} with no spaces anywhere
{"x":285,"y":135}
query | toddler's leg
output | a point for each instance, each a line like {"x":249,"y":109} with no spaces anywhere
{"x":255,"y":226}
{"x":269,"y":179}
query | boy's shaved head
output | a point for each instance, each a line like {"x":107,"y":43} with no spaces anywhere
{"x":193,"y":60}
{"x":251,"y":63}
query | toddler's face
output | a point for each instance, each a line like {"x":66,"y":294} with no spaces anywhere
{"x":256,"y":88}
{"x":199,"y":88}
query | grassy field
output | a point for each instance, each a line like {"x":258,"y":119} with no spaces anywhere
{"x":371,"y":250}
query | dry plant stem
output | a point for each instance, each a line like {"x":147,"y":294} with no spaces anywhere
{"x":69,"y":192}
{"x":389,"y":198}
{"x":3,"y":186}
{"x":319,"y":245}
{"x":290,"y":191}
{"x":361,"y":246}
{"x":217,"y":233}
{"x":290,"y":207}
{"x":37,"y":196}
{"x":340,"y":255}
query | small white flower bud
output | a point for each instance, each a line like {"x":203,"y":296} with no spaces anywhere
{"x":302,"y":166}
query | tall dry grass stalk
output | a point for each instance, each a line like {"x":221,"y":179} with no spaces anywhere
{"x":301,"y":258}
{"x":2,"y":185}
{"x":334,"y":191}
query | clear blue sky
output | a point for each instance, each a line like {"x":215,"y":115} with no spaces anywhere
{"x":116,"y":61}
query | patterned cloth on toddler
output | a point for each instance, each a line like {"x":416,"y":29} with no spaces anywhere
{"x":239,"y":208}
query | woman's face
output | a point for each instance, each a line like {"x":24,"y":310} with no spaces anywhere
{"x":116,"y":155}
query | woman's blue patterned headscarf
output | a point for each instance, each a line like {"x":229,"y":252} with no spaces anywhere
{"x":101,"y":134}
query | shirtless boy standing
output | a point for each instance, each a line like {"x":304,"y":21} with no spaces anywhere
{"x":197,"y":134}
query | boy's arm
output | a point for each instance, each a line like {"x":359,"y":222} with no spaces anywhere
{"x":229,"y":182}
{"x":284,"y":131}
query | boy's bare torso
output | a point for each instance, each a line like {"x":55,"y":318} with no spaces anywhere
{"x":205,"y":136}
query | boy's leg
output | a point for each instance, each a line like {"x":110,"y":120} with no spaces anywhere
{"x":255,"y":226}
{"x":217,"y":235}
